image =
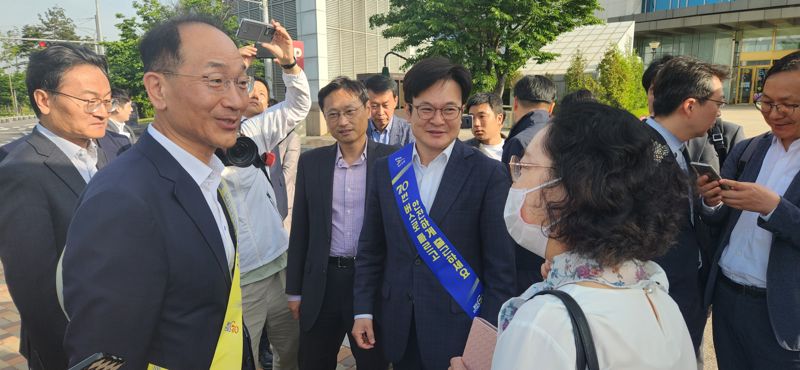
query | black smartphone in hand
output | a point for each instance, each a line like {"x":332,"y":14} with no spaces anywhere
{"x":705,"y":169}
{"x":255,"y":31}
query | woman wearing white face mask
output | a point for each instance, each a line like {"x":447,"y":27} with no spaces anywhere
{"x":583,"y":198}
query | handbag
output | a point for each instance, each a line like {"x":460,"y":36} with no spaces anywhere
{"x":480,"y":345}
{"x":586,"y":356}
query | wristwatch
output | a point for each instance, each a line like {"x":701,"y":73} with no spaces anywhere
{"x":290,"y":65}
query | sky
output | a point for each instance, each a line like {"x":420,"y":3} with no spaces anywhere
{"x":18,"y":13}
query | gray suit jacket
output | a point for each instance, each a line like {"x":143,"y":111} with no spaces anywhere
{"x":399,"y":134}
{"x":40,"y":188}
{"x":783,"y":275}
{"x":702,"y":150}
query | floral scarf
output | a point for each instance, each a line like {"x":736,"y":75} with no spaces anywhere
{"x":570,"y":268}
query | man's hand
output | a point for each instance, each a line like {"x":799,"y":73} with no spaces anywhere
{"x":280,"y":46}
{"x":294,"y":307}
{"x":710,"y":191}
{"x":457,"y":363}
{"x":362,"y":331}
{"x":749,"y":196}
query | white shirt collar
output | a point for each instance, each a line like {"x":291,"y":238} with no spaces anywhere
{"x":199,"y":171}
{"x":119,"y":127}
{"x":70,"y":149}
{"x":445,"y":153}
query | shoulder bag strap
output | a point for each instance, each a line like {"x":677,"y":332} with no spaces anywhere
{"x":586,"y":356}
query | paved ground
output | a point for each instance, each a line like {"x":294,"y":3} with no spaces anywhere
{"x":747,"y":116}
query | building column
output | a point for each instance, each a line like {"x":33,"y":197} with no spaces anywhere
{"x":312,"y":30}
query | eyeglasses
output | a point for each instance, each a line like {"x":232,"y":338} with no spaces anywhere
{"x":449,"y":113}
{"x":720,"y":103}
{"x":334,"y":116}
{"x":92,"y":105}
{"x":516,"y":166}
{"x":766,"y":108}
{"x":218,"y":82}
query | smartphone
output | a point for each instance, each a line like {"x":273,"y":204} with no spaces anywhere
{"x":262,"y":52}
{"x":255,"y":31}
{"x":466,"y":121}
{"x":100,"y":361}
{"x":705,"y":169}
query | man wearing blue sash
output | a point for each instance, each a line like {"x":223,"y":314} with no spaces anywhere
{"x":434,"y":244}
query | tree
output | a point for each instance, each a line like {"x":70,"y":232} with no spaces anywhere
{"x":124,"y":63}
{"x":53,"y":24}
{"x":492,"y":38}
{"x":576,"y":77}
{"x":613,"y":71}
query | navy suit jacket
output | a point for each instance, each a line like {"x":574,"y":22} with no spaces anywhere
{"x":468,"y":208}
{"x":40,"y":188}
{"x":783,"y":274}
{"x":146,"y":279}
{"x":399,"y":134}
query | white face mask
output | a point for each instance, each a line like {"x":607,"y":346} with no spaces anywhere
{"x":531,"y":237}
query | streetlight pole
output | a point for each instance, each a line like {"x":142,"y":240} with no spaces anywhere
{"x":385,"y":70}
{"x":653,"y":46}
{"x":99,"y":36}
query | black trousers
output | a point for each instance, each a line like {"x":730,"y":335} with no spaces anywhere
{"x":319,"y":346}
{"x":743,"y":336}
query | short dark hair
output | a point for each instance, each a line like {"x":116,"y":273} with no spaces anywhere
{"x":682,"y":78}
{"x":575,"y":97}
{"x":160,"y":47}
{"x":380,"y":84}
{"x":621,"y":201}
{"x":121,"y":95}
{"x":788,"y":63}
{"x":650,"y":73}
{"x":429,"y":71}
{"x":263,"y":81}
{"x":493,"y":100}
{"x":47,"y":67}
{"x":353,"y":87}
{"x":535,"y":89}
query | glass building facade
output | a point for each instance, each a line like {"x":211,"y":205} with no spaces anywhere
{"x":649,"y":6}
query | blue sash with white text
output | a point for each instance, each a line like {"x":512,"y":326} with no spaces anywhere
{"x":452,"y":270}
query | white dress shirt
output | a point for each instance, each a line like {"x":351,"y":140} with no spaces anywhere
{"x":118,"y":127}
{"x":429,"y":177}
{"x":208,"y":177}
{"x":84,"y":159}
{"x":261,"y":235}
{"x":493,"y":151}
{"x":744,"y":260}
{"x":626,"y":332}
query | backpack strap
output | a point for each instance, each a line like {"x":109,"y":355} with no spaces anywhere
{"x":717,"y":139}
{"x":586,"y":355}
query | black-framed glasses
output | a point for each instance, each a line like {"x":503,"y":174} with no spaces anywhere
{"x":720,"y":103}
{"x":218,"y":82}
{"x":92,"y":105}
{"x":449,"y":113}
{"x":516,"y":166}
{"x":766,"y":108}
{"x":333,"y":116}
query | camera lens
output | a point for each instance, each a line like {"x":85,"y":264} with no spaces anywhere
{"x":244,"y":153}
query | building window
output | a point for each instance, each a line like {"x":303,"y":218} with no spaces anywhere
{"x":787,"y":38}
{"x":757,"y":40}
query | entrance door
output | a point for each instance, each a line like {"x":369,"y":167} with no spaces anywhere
{"x":751,"y":82}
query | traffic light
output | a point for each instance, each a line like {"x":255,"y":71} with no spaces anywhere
{"x":42,"y":44}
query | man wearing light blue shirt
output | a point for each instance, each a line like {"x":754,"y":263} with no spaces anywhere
{"x":384,"y":126}
{"x":754,"y":283}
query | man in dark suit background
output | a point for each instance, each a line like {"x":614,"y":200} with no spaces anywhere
{"x":754,"y":283}
{"x":119,"y":117}
{"x":464,"y":194}
{"x":384,"y":126}
{"x":329,"y":207}
{"x":40,"y":179}
{"x":150,"y":259}
{"x":487,"y":114}
{"x":688,"y":96}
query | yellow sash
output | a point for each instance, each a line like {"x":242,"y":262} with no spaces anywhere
{"x":230,"y":345}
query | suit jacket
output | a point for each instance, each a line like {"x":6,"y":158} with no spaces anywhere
{"x":112,"y":145}
{"x":523,"y":132}
{"x":475,"y":143}
{"x":702,"y":150}
{"x":399,"y":134}
{"x":278,"y":183}
{"x":40,"y":188}
{"x":783,"y":275}
{"x":468,"y":208}
{"x":310,"y":239}
{"x":289,"y":149}
{"x":147,"y":279}
{"x":682,"y":261}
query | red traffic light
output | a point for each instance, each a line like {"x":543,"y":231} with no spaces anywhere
{"x":42,"y":44}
